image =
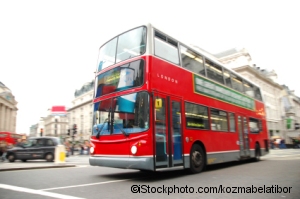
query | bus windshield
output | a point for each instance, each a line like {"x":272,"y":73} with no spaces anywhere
{"x":124,"y":114}
{"x":127,"y":45}
{"x":120,"y":78}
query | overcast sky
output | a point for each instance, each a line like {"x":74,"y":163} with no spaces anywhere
{"x":48,"y":49}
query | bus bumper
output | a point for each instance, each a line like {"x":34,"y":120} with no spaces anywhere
{"x":144,"y":163}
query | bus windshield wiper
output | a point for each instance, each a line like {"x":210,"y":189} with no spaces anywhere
{"x":122,"y":130}
{"x":99,"y":130}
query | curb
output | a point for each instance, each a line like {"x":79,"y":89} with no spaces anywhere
{"x":36,"y":167}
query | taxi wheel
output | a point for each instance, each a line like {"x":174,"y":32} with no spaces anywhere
{"x":49,"y":157}
{"x":11,"y":157}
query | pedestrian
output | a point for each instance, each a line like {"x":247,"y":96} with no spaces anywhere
{"x":3,"y":148}
{"x":282,"y":144}
{"x":81,"y":149}
{"x":68,"y":148}
{"x":87,"y":144}
{"x":272,"y":144}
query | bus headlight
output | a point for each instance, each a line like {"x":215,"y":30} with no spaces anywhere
{"x":91,"y":150}
{"x":133,"y":150}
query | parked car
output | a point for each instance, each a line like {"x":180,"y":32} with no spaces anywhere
{"x":34,"y":148}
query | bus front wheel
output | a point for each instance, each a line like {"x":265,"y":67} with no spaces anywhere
{"x":197,"y":159}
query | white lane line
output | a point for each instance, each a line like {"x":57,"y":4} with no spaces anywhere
{"x":38,"y":192}
{"x":280,"y":156}
{"x":83,"y":185}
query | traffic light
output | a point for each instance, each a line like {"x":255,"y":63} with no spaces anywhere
{"x":69,"y":132}
{"x":74,"y":129}
{"x":42,"y":130}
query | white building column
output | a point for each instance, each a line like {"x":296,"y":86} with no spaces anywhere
{"x":13,"y":121}
{"x":5,"y":119}
{"x":2,"y":121}
{"x":9,"y":120}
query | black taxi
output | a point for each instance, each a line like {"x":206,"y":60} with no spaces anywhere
{"x":34,"y":148}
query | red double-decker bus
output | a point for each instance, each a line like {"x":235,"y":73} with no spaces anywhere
{"x":159,"y":103}
{"x":10,"y":138}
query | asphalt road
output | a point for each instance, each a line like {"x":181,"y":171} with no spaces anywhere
{"x":277,"y":172}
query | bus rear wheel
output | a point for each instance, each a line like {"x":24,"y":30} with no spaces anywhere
{"x":197,"y":159}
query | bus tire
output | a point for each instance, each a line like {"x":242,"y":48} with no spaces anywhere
{"x":197,"y":159}
{"x":257,"y":153}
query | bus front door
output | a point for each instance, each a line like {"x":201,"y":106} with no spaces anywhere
{"x":243,"y":136}
{"x":168,"y":131}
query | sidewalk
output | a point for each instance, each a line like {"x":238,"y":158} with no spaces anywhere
{"x":32,"y":164}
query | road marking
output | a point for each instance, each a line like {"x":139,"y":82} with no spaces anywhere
{"x":279,"y":156}
{"x":38,"y":192}
{"x":90,"y":184}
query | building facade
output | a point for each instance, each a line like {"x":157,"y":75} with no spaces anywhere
{"x":240,"y":61}
{"x":33,"y":130}
{"x":233,"y":58}
{"x":61,"y":124}
{"x":81,"y":112}
{"x":272,"y":94}
{"x":291,"y":116}
{"x":55,"y":123}
{"x":8,"y":110}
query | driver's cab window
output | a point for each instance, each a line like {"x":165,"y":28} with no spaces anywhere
{"x":31,"y":143}
{"x":40,"y":142}
{"x":49,"y":142}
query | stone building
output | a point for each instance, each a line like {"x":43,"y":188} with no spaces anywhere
{"x":81,"y":112}
{"x":271,"y":92}
{"x":291,"y":116}
{"x":234,"y":57}
{"x":33,"y":130}
{"x":240,"y":61}
{"x":55,"y":123}
{"x":8,"y":110}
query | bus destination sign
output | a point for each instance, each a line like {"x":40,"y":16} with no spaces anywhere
{"x":214,"y":90}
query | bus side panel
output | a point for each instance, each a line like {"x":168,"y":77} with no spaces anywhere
{"x":179,"y":81}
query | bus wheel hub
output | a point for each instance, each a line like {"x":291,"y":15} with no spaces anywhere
{"x":197,"y":158}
